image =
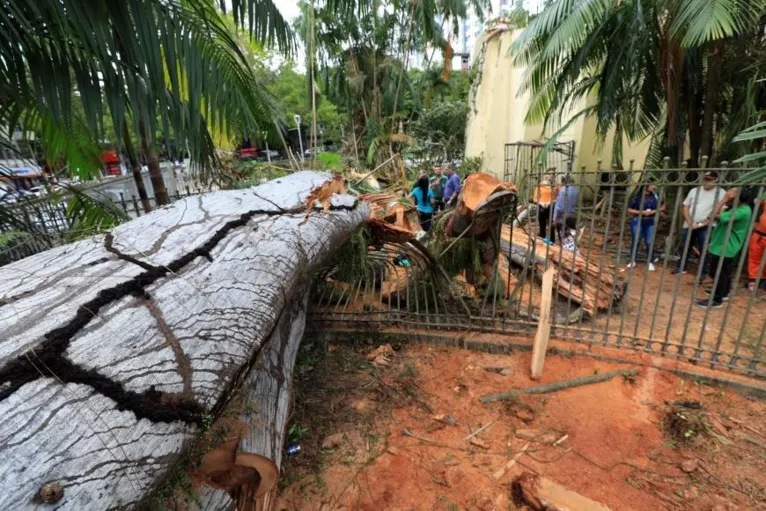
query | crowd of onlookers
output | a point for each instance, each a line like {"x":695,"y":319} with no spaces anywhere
{"x":716,"y":223}
{"x":435,"y":193}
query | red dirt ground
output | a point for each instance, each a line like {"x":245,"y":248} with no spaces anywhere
{"x":617,"y":452}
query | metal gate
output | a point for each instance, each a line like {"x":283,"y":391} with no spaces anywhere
{"x":521,"y":158}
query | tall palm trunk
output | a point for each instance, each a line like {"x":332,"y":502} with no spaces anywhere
{"x":714,"y":64}
{"x":136,"y":170}
{"x":155,"y":173}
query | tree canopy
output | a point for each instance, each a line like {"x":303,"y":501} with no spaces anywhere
{"x":687,"y":73}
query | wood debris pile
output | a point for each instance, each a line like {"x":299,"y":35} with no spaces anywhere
{"x":590,"y":281}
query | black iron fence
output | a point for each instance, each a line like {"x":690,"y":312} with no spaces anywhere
{"x":632,"y":275}
{"x":34,"y":225}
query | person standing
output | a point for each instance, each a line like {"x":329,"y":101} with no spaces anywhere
{"x":543,"y":197}
{"x":452,"y":188}
{"x":437,"y":182}
{"x":732,"y":223}
{"x":566,"y":203}
{"x":642,"y":208}
{"x":424,"y":201}
{"x":756,"y":248}
{"x":698,"y":206}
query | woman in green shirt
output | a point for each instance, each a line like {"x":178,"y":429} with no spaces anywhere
{"x":727,"y":239}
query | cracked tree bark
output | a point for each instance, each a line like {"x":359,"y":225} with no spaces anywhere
{"x":115,"y":348}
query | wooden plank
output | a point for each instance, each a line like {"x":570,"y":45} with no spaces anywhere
{"x":543,"y":326}
{"x":542,"y":494}
{"x":115,"y":350}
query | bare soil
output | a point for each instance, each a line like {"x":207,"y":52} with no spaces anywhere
{"x":623,"y":444}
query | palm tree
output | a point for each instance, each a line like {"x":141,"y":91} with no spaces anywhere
{"x":168,"y":66}
{"x":668,"y":69}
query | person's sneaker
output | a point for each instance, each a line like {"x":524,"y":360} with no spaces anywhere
{"x":751,"y":286}
{"x":675,"y":271}
{"x":631,"y":265}
{"x":651,"y":267}
{"x":704,"y":304}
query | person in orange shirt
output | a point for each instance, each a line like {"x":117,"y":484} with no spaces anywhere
{"x":757,"y":246}
{"x":544,"y":195}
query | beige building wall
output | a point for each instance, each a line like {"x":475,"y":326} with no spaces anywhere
{"x":497,"y":111}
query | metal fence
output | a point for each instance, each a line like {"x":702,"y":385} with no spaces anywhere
{"x":46,"y":222}
{"x":520,"y":157}
{"x":599,"y":297}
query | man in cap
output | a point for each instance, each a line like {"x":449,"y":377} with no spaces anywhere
{"x":697,"y":209}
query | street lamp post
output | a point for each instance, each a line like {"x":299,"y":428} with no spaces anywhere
{"x":300,"y":138}
{"x":266,"y":140}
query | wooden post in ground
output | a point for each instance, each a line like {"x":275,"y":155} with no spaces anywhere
{"x":543,"y":327}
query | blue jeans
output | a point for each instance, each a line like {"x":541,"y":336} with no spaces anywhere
{"x":643,"y":231}
{"x":697,"y":240}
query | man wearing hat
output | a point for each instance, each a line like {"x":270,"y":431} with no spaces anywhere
{"x":698,"y":206}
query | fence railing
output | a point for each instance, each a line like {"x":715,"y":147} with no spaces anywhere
{"x":44,"y":223}
{"x":612,"y":292}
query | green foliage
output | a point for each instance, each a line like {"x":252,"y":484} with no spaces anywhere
{"x":754,"y":135}
{"x":330,"y":161}
{"x":469,"y":165}
{"x":89,"y":214}
{"x":254,"y":173}
{"x":441,"y":130}
{"x":169,"y":65}
{"x":704,"y":63}
{"x":12,"y":237}
{"x":351,"y":260}
{"x":362,"y":64}
{"x":288,"y":87}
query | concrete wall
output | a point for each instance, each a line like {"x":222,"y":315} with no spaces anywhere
{"x":497,"y":113}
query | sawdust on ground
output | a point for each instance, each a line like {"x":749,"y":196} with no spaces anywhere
{"x":616,"y":451}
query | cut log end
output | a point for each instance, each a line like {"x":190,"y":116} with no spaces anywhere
{"x":266,"y":469}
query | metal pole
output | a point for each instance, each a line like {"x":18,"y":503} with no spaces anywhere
{"x":300,"y":141}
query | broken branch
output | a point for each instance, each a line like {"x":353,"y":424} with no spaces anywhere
{"x":559,"y":385}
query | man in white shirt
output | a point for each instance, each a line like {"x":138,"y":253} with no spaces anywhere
{"x":698,"y":206}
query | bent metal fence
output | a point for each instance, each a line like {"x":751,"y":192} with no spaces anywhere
{"x":600,"y":297}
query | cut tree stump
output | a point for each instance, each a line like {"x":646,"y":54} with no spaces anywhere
{"x":541,"y":494}
{"x":117,"y":348}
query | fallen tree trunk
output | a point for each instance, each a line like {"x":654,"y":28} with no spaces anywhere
{"x":483,"y":201}
{"x":118,"y":348}
{"x":246,"y":464}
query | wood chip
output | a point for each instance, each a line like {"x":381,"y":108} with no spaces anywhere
{"x":479,"y":443}
{"x":392,"y":450}
{"x":508,"y":466}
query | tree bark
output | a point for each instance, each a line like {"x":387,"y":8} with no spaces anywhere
{"x":155,"y":172}
{"x":119,"y":347}
{"x":135,"y":169}
{"x":715,"y":61}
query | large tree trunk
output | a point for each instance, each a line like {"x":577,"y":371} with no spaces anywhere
{"x":246,"y":465}
{"x":135,"y":168}
{"x":155,"y":172}
{"x":118,"y":348}
{"x":714,"y":62}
